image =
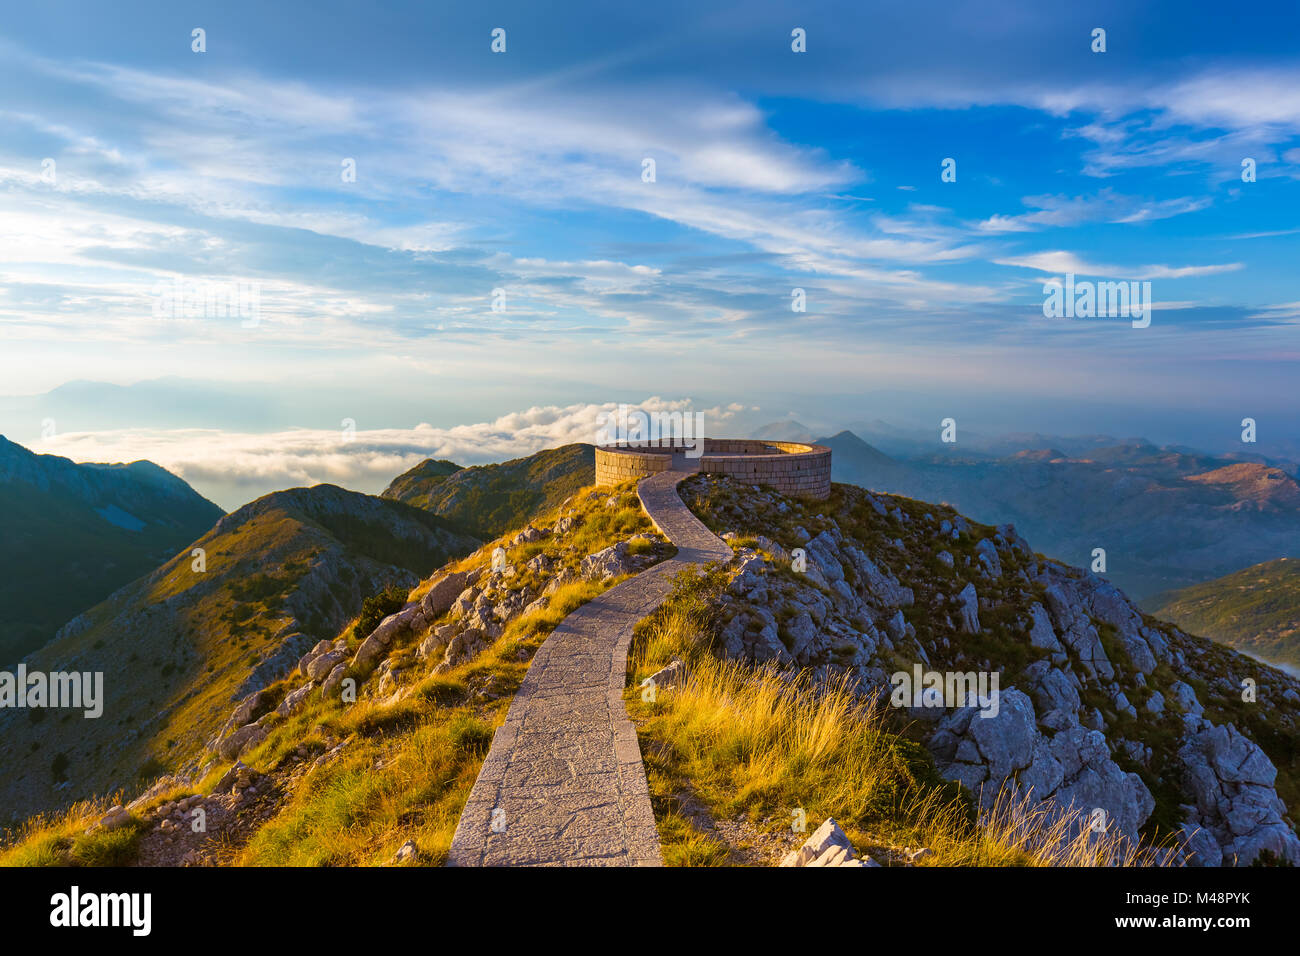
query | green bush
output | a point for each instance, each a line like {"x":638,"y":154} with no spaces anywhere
{"x":378,"y":606}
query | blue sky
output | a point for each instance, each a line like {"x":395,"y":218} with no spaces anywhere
{"x":522,"y":171}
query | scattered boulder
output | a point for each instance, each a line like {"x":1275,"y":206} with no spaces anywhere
{"x":116,"y":816}
{"x":432,"y":645}
{"x":442,"y":594}
{"x":607,"y":563}
{"x":243,"y":713}
{"x":527,"y":536}
{"x":245,"y":738}
{"x":986,"y":553}
{"x":969,"y":604}
{"x":406,"y":852}
{"x":673,"y":675}
{"x":828,"y":846}
{"x":332,"y":682}
{"x":1041,"y":634}
{"x":321,"y":664}
{"x":294,"y":699}
{"x":465,"y":645}
{"x":371,"y":650}
{"x":323,"y":647}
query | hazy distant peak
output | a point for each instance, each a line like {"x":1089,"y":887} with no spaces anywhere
{"x":784,"y":431}
{"x":1263,"y":485}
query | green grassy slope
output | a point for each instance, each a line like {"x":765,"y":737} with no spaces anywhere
{"x":488,"y":500}
{"x":410,"y":758}
{"x":1255,"y":610}
{"x":416,"y":487}
{"x":178,"y":646}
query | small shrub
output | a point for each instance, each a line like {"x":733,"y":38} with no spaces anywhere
{"x":469,"y":735}
{"x":377,"y":607}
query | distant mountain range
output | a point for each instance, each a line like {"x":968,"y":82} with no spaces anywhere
{"x":71,"y":534}
{"x":911,"y":444}
{"x":1166,"y":517}
{"x":1255,"y":610}
{"x":178,"y":646}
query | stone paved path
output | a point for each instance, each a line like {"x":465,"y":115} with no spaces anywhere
{"x":563,"y":780}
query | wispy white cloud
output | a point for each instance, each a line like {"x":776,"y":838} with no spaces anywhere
{"x":1106,"y":206}
{"x":1060,"y":262}
{"x":134,"y":217}
{"x":1285,"y":312}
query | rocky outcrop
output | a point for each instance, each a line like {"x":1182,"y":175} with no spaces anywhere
{"x":245,"y":738}
{"x":294,"y":700}
{"x":459,"y":614}
{"x":674,"y":674}
{"x":1231,"y":782}
{"x":1099,"y":692}
{"x":463,"y":645}
{"x":290,"y":644}
{"x":414,"y":618}
{"x":968,"y":607}
{"x":614,"y":561}
{"x":1073,"y":766}
{"x":828,"y":846}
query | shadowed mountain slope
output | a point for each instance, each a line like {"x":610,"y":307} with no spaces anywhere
{"x":71,"y":534}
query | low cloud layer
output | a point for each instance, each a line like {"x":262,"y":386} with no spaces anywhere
{"x":232,"y":468}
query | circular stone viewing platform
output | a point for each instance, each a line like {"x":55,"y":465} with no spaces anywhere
{"x":792,"y":468}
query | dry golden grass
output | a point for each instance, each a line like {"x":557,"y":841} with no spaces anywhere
{"x":60,"y":839}
{"x":762,"y":742}
{"x":430,"y":746}
{"x":1020,"y":830}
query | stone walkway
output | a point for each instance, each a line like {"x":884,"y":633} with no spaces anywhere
{"x":563,"y":783}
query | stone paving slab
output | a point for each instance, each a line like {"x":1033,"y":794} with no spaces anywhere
{"x":564,"y":771}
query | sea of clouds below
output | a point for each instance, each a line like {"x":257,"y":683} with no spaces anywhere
{"x":232,"y":468}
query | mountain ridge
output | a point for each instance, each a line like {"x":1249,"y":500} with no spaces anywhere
{"x":487,"y":500}
{"x":175,"y":645}
{"x":74,"y":532}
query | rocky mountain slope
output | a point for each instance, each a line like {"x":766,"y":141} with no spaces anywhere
{"x":488,"y":500}
{"x":1101,"y":707}
{"x":416,"y":485}
{"x":1256,"y":610}
{"x":1167,"y":518}
{"x":1151,"y":732}
{"x":71,"y":534}
{"x":178,"y":646}
{"x":362,"y":747}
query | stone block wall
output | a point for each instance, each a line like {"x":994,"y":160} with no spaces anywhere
{"x":791,"y":468}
